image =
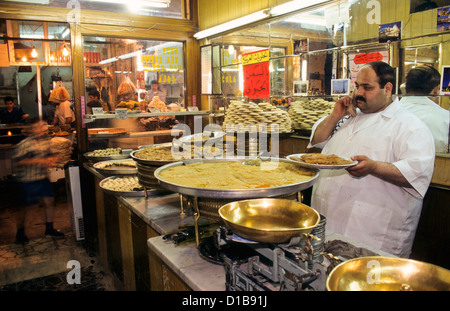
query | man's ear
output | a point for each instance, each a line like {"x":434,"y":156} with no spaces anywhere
{"x":388,"y":88}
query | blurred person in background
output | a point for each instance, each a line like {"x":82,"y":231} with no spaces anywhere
{"x":12,"y":114}
{"x":32,"y":158}
{"x":95,"y":101}
{"x":155,"y":91}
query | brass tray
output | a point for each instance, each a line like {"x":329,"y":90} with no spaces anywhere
{"x":378,"y":273}
{"x":269,"y":220}
{"x":231,"y":193}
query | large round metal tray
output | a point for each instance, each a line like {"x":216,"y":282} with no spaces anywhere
{"x":231,"y":193}
{"x":124,"y":155}
{"x":120,"y":170}
{"x":140,"y":193}
{"x":378,"y":273}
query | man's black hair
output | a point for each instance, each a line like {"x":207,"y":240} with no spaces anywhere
{"x":384,"y":72}
{"x":422,"y":80}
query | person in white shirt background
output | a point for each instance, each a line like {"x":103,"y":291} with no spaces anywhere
{"x":64,"y":115}
{"x":378,"y":201}
{"x":421,"y":82}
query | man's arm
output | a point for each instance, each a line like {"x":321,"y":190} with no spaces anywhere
{"x":326,"y":127}
{"x":383,"y":170}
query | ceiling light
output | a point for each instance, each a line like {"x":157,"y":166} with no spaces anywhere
{"x":293,"y":6}
{"x":34,"y":53}
{"x":65,"y":51}
{"x":307,"y":19}
{"x":139,"y":3}
{"x":236,"y":23}
{"x":65,"y":33}
{"x":31,"y":1}
{"x":278,"y":10}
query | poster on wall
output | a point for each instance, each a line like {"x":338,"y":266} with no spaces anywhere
{"x":390,"y":32}
{"x":443,"y":19}
{"x":445,"y":80}
{"x":340,"y":87}
{"x":256,"y":74}
{"x":300,"y":88}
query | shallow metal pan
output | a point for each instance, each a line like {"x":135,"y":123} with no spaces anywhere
{"x":231,"y":193}
{"x":269,"y":220}
{"x":120,"y":170}
{"x":139,"y":193}
{"x":124,"y":155}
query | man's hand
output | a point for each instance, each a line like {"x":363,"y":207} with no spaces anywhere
{"x":383,"y":170}
{"x":364,"y":167}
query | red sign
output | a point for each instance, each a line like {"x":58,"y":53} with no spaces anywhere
{"x":256,"y":75}
{"x":367,"y":58}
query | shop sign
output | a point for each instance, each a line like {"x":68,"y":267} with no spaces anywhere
{"x":164,"y":59}
{"x":256,"y":74}
{"x":367,"y":58}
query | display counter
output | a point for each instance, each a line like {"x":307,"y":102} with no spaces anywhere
{"x":197,"y":273}
{"x":131,"y":245}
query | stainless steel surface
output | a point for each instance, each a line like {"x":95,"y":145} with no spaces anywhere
{"x":377,"y":273}
{"x":231,"y":193}
{"x":269,"y":220}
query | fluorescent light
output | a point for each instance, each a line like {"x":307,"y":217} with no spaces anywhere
{"x":109,"y":60}
{"x":241,"y":21}
{"x":31,"y":1}
{"x":292,"y":6}
{"x":132,"y":54}
{"x":139,"y":3}
{"x":278,"y":10}
{"x":65,"y":32}
{"x":308,"y":19}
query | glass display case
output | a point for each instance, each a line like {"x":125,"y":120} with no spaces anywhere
{"x":314,"y":57}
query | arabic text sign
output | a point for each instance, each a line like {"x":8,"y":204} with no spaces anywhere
{"x":256,"y":74}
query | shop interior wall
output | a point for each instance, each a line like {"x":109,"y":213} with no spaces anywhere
{"x":215,"y":12}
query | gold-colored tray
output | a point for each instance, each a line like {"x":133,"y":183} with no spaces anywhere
{"x":269,"y":220}
{"x":378,"y":273}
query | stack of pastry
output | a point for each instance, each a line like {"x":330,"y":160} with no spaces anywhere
{"x":242,"y":116}
{"x":304,"y":114}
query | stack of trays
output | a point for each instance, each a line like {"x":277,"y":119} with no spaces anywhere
{"x":244,"y":117}
{"x":304,"y":114}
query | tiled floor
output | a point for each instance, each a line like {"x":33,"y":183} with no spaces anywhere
{"x":42,"y":264}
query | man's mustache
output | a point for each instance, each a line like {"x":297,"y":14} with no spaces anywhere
{"x":360,"y":98}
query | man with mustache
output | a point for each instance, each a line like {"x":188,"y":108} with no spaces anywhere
{"x":378,"y":201}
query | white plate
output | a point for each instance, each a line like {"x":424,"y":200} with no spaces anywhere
{"x":319,"y":166}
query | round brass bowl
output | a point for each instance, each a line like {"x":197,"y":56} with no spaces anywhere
{"x":269,"y":220}
{"x":377,"y":273}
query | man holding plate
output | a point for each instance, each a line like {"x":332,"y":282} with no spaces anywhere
{"x":377,"y":201}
